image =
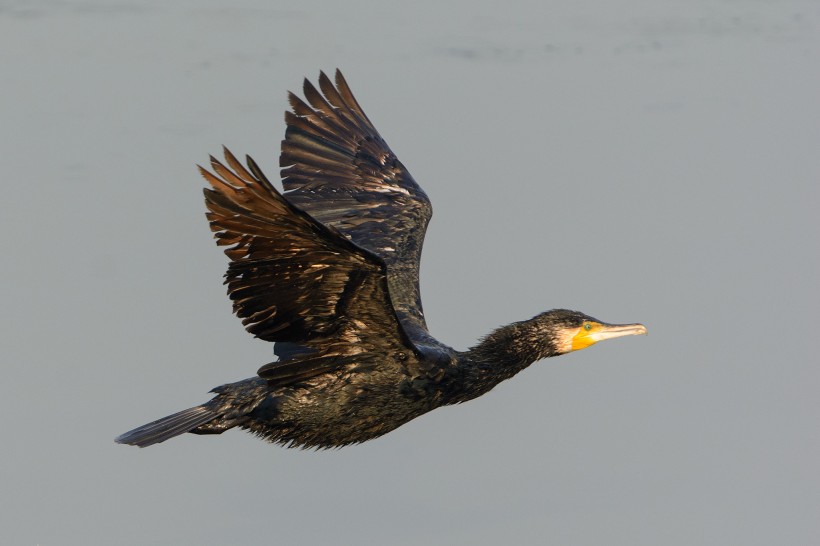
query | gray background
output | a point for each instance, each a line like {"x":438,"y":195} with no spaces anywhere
{"x":637,"y":160}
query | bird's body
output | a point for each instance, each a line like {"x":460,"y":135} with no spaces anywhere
{"x":328,"y":271}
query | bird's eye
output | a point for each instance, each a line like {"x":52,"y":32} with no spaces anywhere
{"x":587,"y":326}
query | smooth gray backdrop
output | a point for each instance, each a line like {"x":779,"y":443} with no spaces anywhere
{"x":640,"y":160}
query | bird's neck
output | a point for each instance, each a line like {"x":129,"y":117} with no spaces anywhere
{"x":500,"y":355}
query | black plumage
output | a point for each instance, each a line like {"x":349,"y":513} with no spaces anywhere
{"x":328,"y":270}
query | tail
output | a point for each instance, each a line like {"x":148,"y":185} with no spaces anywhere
{"x":167,"y":427}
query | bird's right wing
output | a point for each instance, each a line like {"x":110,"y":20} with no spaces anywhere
{"x":294,"y":279}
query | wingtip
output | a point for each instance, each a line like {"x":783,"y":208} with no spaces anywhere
{"x":323,"y":79}
{"x":340,"y":79}
{"x":228,"y":155}
{"x":293,"y":100}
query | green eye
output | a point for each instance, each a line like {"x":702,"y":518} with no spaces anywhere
{"x":587,"y":326}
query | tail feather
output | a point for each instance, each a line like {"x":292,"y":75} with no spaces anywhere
{"x":167,"y":427}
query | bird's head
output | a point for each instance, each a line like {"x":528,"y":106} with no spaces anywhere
{"x":571,"y":330}
{"x":511,"y":348}
{"x":551,"y":333}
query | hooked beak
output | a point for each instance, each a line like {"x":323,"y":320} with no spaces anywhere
{"x":600,"y":331}
{"x":611,"y":331}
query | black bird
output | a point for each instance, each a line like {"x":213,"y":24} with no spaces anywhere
{"x":329,"y":272}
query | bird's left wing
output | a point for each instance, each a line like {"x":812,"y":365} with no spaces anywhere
{"x":292,"y":278}
{"x":338,"y":169}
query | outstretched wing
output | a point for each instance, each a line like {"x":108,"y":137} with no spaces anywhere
{"x":294,"y":279}
{"x":337,"y":168}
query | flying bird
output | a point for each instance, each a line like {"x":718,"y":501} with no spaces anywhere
{"x":328,"y":271}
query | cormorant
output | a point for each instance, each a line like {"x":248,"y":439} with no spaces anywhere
{"x":329,"y":272}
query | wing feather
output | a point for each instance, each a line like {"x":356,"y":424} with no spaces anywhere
{"x":292,"y":278}
{"x":337,"y":168}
